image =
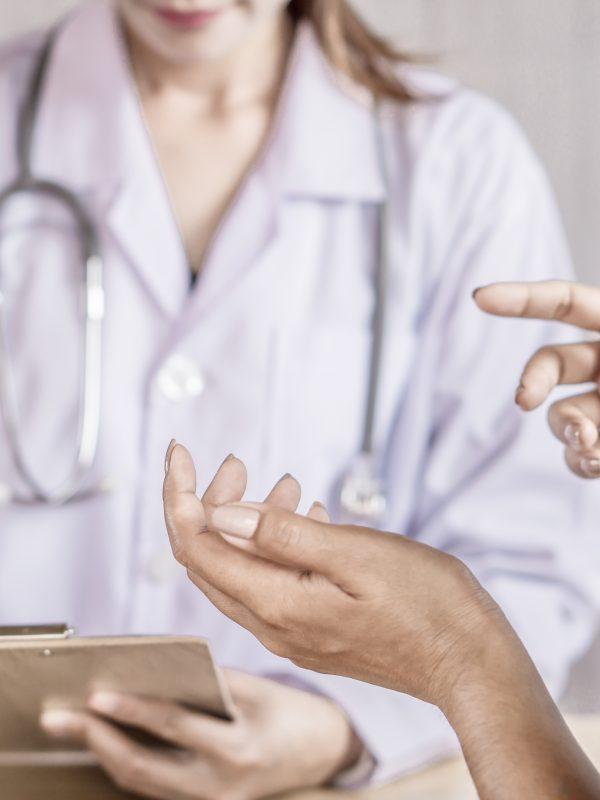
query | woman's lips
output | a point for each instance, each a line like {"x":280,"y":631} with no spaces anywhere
{"x":187,"y":20}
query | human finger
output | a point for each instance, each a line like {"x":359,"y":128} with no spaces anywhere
{"x":185,"y":513}
{"x":228,"y":484}
{"x":319,"y":513}
{"x":572,"y":303}
{"x":557,"y":365}
{"x":249,"y":579}
{"x":131,"y":766}
{"x":166,"y":720}
{"x":64,"y":724}
{"x":183,"y":510}
{"x":299,"y":542}
{"x":285,"y":494}
{"x":575,"y":421}
{"x":584,"y":465}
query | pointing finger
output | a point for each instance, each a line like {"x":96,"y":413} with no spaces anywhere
{"x":572,"y":303}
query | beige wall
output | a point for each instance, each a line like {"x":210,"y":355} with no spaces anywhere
{"x":540,"y":57}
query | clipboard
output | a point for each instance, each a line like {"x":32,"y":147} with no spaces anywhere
{"x":50,"y":667}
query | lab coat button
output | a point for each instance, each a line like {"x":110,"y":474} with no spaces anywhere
{"x":161,"y":568}
{"x":180,"y":379}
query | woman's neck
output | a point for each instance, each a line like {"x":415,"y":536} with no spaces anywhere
{"x":252,"y":74}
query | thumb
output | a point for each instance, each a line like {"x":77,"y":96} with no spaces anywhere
{"x":293,"y":540}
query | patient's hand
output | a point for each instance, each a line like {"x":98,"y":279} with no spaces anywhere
{"x":387,"y":610}
{"x":281,"y":738}
{"x":345,"y":600}
{"x":575,"y":420}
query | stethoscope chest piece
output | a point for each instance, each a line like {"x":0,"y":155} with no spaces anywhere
{"x":362,"y":497}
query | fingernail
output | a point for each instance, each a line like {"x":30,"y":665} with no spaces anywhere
{"x":285,"y":477}
{"x":170,"y":449}
{"x":238,"y":520}
{"x":475,"y":291}
{"x":573,"y":435}
{"x":519,"y":393}
{"x":105,"y":702}
{"x":59,"y":723}
{"x":591,"y":467}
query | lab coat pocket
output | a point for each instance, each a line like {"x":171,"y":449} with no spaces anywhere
{"x":333,"y":389}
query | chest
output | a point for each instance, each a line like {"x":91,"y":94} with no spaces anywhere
{"x":204,"y":160}
{"x":282,"y":347}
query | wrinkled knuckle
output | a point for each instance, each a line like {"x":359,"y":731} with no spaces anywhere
{"x":564,"y":307}
{"x":289,"y":535}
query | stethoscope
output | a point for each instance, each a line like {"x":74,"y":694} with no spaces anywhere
{"x":75,"y":483}
{"x":361,"y":496}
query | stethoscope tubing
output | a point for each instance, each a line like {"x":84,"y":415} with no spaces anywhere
{"x":94,"y":301}
{"x":74,"y":485}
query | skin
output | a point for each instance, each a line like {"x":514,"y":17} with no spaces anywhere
{"x":208,"y":97}
{"x":384,"y":609}
{"x":575,"y":421}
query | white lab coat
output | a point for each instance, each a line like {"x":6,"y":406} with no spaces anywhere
{"x":267,"y":357}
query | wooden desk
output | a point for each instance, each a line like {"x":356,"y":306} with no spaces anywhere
{"x":451,"y":780}
{"x":447,"y":781}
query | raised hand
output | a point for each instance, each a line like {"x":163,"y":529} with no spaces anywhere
{"x":575,"y":421}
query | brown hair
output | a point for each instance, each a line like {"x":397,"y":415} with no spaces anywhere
{"x":353,"y":48}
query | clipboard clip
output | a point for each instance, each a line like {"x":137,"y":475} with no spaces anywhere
{"x":28,"y":633}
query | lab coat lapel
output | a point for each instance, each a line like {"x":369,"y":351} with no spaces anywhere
{"x":91,"y":137}
{"x":322,"y":148}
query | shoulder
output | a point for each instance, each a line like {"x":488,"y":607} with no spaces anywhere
{"x":459,"y":130}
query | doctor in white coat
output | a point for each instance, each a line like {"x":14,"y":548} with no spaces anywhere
{"x":236,"y":141}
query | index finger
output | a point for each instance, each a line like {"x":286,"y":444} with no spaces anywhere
{"x":564,"y":301}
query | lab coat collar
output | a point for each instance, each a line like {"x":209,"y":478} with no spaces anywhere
{"x":324,"y":143}
{"x":90,"y":136}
